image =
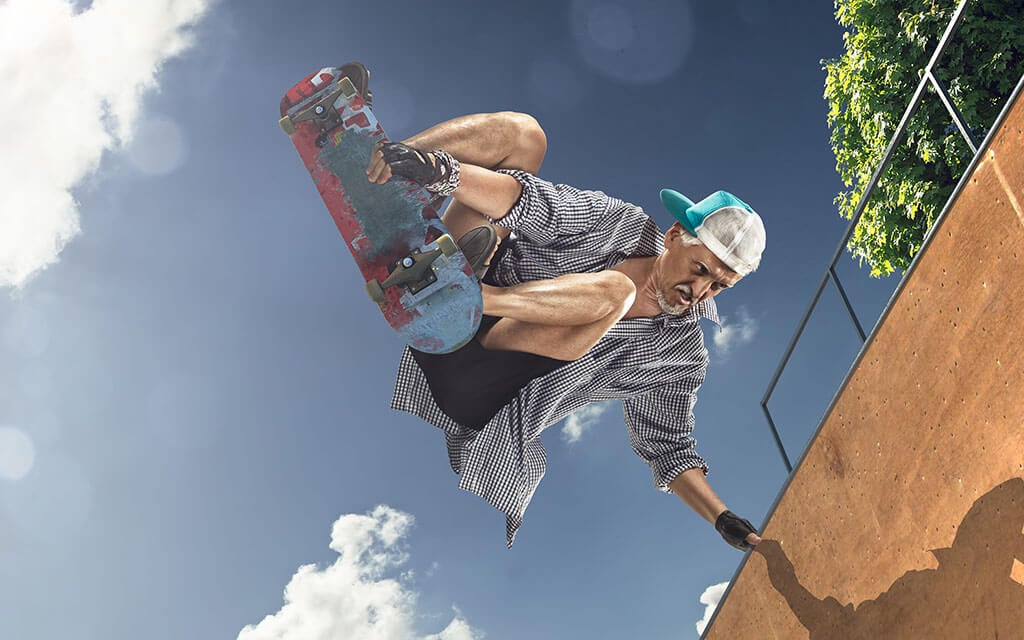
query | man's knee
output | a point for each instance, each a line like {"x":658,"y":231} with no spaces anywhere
{"x":621,"y":292}
{"x":529,"y":142}
{"x":608,"y":294}
{"x":532,"y":138}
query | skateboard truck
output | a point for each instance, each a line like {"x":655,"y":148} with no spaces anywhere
{"x":322,"y":112}
{"x":414,"y":271}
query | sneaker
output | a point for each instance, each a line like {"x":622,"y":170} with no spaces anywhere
{"x":360,"y":77}
{"x":478,"y":245}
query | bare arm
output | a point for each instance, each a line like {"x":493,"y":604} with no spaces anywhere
{"x":692,"y":487}
{"x":489,"y":192}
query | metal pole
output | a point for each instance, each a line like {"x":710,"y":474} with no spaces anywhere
{"x":926,"y":78}
{"x":792,"y":344}
{"x":778,"y":440}
{"x":846,"y":301}
{"x":958,"y":118}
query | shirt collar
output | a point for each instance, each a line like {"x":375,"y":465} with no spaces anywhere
{"x":706,"y":309}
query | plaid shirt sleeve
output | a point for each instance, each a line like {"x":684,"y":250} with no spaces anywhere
{"x":660,"y":424}
{"x":546,"y":212}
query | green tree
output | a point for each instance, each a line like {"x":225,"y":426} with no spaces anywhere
{"x":888,"y":43}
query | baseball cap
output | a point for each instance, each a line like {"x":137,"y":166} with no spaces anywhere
{"x":726,"y":225}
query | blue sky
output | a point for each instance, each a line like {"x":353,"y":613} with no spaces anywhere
{"x":194,"y":388}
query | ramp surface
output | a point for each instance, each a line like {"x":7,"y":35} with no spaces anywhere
{"x":905,"y":518}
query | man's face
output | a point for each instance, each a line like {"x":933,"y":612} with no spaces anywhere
{"x":689,"y":274}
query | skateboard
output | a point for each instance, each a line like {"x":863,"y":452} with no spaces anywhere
{"x":413,"y":269}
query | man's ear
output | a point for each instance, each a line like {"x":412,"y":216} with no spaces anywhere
{"x":673,"y":232}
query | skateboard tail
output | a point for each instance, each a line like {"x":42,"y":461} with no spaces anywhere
{"x":382,"y":224}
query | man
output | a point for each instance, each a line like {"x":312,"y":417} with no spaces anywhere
{"x":586,"y":300}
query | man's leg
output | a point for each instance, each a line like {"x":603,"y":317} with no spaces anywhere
{"x":560,"y":318}
{"x":502,"y":140}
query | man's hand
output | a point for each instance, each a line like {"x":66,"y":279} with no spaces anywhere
{"x":438,"y":171}
{"x":394,"y":158}
{"x":737,"y":531}
{"x":379,"y":171}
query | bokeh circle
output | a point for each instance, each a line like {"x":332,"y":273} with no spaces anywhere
{"x":635,"y":42}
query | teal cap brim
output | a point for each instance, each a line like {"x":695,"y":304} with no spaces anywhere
{"x":691,"y":215}
{"x":678,"y":205}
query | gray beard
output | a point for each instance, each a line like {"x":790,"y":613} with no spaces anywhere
{"x":675,"y":310}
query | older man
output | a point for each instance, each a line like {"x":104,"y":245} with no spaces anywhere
{"x":585,"y":300}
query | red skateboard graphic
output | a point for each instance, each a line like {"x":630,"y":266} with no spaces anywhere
{"x":413,"y":269}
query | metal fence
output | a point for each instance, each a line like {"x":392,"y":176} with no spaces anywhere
{"x":927,"y":78}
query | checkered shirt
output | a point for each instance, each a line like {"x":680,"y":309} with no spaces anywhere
{"x":653,"y":365}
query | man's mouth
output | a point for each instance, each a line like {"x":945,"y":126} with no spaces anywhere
{"x":683,"y":298}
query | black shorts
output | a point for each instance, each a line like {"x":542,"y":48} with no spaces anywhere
{"x":473,"y":383}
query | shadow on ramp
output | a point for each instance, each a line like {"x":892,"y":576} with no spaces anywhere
{"x":973,"y":575}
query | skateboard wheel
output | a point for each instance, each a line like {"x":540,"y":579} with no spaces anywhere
{"x":347,"y":88}
{"x":447,"y":245}
{"x":287,"y":125}
{"x":321,"y":140}
{"x":375,"y":291}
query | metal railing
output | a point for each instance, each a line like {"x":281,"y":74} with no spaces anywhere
{"x":927,"y":78}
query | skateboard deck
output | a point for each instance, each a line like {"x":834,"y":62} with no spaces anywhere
{"x":414,"y":271}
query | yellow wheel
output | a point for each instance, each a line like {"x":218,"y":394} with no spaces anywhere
{"x":287,"y":125}
{"x":347,"y":88}
{"x":447,"y":245}
{"x":375,"y":291}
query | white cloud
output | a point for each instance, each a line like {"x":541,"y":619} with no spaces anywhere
{"x":710,"y":599}
{"x":73,"y":83}
{"x":354,"y":598}
{"x":459,"y":629}
{"x":736,"y":333}
{"x":582,"y":420}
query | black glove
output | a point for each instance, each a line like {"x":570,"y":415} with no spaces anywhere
{"x":735,"y":530}
{"x":409,"y":163}
{"x":442,"y":177}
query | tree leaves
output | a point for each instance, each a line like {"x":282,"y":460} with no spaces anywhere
{"x":888,"y":44}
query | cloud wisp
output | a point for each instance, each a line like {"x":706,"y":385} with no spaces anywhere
{"x":735,"y":333}
{"x":354,"y":598}
{"x":73,"y":88}
{"x":582,"y":420}
{"x":711,"y":597}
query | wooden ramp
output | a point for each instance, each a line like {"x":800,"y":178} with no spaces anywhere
{"x":905,"y":518}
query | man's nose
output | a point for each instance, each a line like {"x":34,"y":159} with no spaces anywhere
{"x":701,"y":288}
